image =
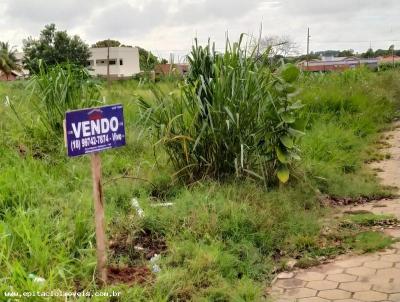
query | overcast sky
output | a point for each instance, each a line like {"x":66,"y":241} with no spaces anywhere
{"x":166,"y":26}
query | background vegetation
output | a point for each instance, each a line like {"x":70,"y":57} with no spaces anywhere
{"x":54,"y":47}
{"x":224,"y":240}
{"x":57,"y":89}
{"x":369,"y":53}
{"x":8,"y":60}
{"x":233,"y":116}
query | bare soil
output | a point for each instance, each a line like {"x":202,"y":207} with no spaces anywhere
{"x":143,"y":245}
{"x":129,"y":275}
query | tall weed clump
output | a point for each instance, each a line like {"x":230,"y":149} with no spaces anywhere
{"x":61,"y":88}
{"x":233,"y":116}
{"x":346,"y":111}
{"x":389,"y":66}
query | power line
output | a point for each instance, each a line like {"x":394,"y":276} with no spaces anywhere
{"x":300,"y":43}
{"x":366,"y":41}
{"x":305,"y":43}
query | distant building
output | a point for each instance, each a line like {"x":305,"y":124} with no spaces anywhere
{"x":166,"y":69}
{"x":337,"y":64}
{"x":11,"y":77}
{"x":389,"y":59}
{"x":16,"y":74}
{"x":123,"y":62}
{"x":23,"y":73}
{"x":20,"y":57}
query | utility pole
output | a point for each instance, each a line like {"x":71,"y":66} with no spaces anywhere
{"x":308,"y":45}
{"x":391,"y":31}
{"x":393,"y":55}
{"x":370,"y":48}
{"x":259,"y":40}
{"x":108,"y":62}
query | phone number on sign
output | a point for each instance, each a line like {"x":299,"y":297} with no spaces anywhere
{"x":77,"y":144}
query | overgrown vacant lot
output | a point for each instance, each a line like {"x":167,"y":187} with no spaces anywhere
{"x":218,"y":241}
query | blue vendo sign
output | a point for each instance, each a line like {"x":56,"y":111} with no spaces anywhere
{"x":95,"y":129}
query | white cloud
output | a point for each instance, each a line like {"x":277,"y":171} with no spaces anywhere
{"x":65,"y":12}
{"x":170,"y":25}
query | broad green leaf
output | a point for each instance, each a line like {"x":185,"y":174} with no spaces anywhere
{"x":282,"y":156}
{"x":230,"y":114}
{"x":290,"y":73}
{"x":287,"y":118}
{"x":295,"y":156}
{"x":287,"y":141}
{"x":290,"y":88}
{"x":296,"y":105}
{"x":296,"y":133}
{"x":281,"y":90}
{"x":283,"y":174}
{"x":300,"y":124}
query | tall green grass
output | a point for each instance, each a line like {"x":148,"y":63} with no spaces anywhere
{"x":224,"y":240}
{"x":61,"y":88}
{"x":346,"y":113}
{"x":389,"y":66}
{"x":233,"y":116}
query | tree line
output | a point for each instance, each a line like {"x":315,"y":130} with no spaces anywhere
{"x":370,"y":53}
{"x":57,"y":47}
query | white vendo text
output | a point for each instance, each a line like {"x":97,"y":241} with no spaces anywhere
{"x":95,"y":127}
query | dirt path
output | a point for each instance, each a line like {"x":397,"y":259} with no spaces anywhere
{"x":370,"y":277}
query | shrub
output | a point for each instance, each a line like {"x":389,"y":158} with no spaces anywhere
{"x":61,"y":88}
{"x":233,"y":116}
{"x":389,"y":66}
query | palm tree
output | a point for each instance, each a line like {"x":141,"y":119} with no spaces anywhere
{"x":8,"y":59}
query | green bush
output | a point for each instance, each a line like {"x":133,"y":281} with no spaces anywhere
{"x":389,"y":66}
{"x":233,"y":116}
{"x":345,"y":113}
{"x":61,"y":88}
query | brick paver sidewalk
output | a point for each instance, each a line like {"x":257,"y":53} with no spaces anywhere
{"x":374,"y":277}
{"x":370,"y":277}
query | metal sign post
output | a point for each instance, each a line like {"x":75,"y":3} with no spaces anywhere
{"x":89,"y":131}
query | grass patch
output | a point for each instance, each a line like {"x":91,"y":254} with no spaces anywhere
{"x":233,"y":117}
{"x":307,"y":262}
{"x":369,"y":241}
{"x":346,"y":113}
{"x":370,"y":219}
{"x":225,"y":240}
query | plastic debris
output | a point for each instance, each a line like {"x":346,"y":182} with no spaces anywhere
{"x":285,"y":275}
{"x":155,"y":267}
{"x":136,"y":205}
{"x":164,"y":204}
{"x":155,"y":258}
{"x":291,"y":263}
{"x":7,"y":101}
{"x":36,"y":279}
{"x":138,"y":248}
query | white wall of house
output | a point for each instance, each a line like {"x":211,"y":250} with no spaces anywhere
{"x":124,"y":61}
{"x":23,"y":72}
